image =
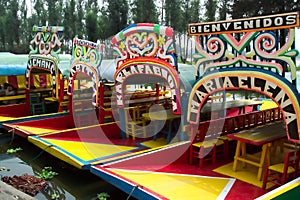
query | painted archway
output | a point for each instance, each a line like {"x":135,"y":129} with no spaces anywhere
{"x":45,"y":47}
{"x":86,"y":59}
{"x":146,"y":49}
{"x":258,"y":80}
{"x":81,"y":67}
{"x":151,"y":67}
{"x":45,"y":63}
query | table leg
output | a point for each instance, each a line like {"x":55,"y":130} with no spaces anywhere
{"x":244,"y":153}
{"x":262,"y":160}
{"x":237,"y":154}
{"x":269,"y":154}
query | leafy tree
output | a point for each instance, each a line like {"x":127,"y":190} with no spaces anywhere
{"x":144,"y":11}
{"x":92,"y":5}
{"x":174,"y":14}
{"x":223,"y":9}
{"x":66,"y":20}
{"x":25,"y":27}
{"x":245,"y":8}
{"x":91,"y":20}
{"x":3,"y":8}
{"x":12,"y":25}
{"x":91,"y":26}
{"x":70,"y":20}
{"x":103,"y":24}
{"x":211,"y":7}
{"x":191,"y":13}
{"x":54,"y":12}
{"x":116,"y":14}
{"x":85,"y":19}
{"x":194,"y":11}
{"x":80,"y":18}
{"x":40,"y":14}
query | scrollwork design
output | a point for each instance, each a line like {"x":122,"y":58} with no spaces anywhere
{"x":215,"y":50}
{"x":265,"y":47}
{"x":87,"y":52}
{"x":144,"y":40}
{"x":258,"y":49}
{"x":46,"y":40}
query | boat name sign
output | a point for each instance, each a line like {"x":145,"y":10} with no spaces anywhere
{"x":246,"y":82}
{"x":41,"y":63}
{"x":142,"y":69}
{"x":286,"y":20}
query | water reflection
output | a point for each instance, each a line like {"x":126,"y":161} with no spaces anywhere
{"x":69,"y":184}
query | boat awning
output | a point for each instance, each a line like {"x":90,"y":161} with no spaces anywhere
{"x":16,"y":64}
{"x":107,"y":70}
{"x":12,"y":64}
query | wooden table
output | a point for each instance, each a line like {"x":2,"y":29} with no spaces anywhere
{"x":133,"y":102}
{"x":258,"y":136}
{"x":219,"y":106}
{"x":163,"y":115}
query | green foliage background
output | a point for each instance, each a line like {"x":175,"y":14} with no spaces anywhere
{"x":88,"y":19}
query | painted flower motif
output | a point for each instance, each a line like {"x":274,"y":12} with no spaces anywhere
{"x":161,"y":41}
{"x":122,"y":45}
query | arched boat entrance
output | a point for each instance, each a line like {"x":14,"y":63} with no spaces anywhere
{"x":248,"y":54}
{"x":271,"y":85}
{"x":145,"y":55}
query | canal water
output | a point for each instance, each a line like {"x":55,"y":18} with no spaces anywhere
{"x":70,"y":183}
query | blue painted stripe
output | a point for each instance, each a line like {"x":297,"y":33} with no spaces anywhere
{"x":64,"y":152}
{"x":135,"y":190}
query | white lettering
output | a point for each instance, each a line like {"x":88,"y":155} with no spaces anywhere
{"x":248,"y":24}
{"x":206,"y":28}
{"x":192,"y":29}
{"x":194,"y":107}
{"x":156,"y":70}
{"x":278,"y":21}
{"x":226,"y":25}
{"x":291,"y":19}
{"x":267,"y":22}
{"x":237,"y":25}
{"x":227,"y":82}
{"x":257,"y":23}
{"x":208,"y":85}
{"x":200,"y":95}
{"x":216,"y":27}
{"x":289,"y":117}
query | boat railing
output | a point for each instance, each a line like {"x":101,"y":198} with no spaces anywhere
{"x":238,"y":123}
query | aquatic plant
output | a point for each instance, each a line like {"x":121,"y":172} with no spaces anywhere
{"x":103,"y":196}
{"x":55,"y":196}
{"x":10,"y":151}
{"x":47,"y":173}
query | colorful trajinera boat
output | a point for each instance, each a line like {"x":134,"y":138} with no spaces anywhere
{"x":85,"y":63}
{"x":34,"y":78}
{"x":185,"y":138}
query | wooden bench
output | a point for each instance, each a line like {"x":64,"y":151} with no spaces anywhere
{"x":13,"y":97}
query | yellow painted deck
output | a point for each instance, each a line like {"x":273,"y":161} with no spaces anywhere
{"x":35,"y":130}
{"x":184,"y":186}
{"x":78,"y":153}
{"x":4,"y":118}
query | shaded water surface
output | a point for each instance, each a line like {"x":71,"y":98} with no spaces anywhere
{"x":70,"y":183}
